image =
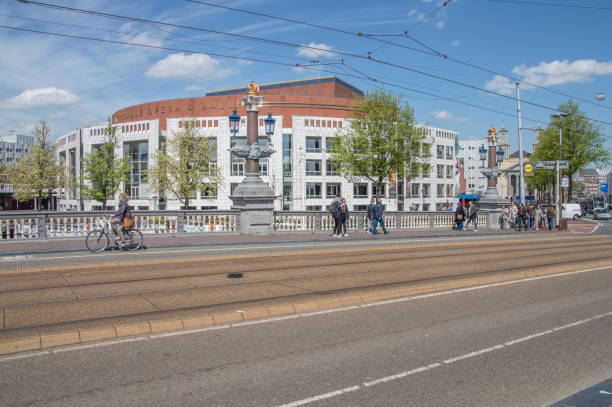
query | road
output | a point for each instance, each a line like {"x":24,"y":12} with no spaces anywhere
{"x":527,"y":343}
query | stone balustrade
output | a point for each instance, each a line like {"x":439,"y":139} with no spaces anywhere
{"x":57,"y":225}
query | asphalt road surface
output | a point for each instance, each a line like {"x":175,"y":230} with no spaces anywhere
{"x":531,"y":341}
{"x":527,"y":343}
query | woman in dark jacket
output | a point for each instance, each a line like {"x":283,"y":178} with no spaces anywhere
{"x":459,"y":216}
{"x":344,"y":214}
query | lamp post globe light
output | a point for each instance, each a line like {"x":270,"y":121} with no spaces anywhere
{"x":253,"y":197}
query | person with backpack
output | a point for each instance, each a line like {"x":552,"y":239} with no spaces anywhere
{"x":550,"y":214}
{"x":459,"y":216}
{"x":371,"y":215}
{"x":472,"y":216}
{"x":344,"y":214}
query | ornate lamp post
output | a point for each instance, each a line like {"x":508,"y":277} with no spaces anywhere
{"x":253,"y":197}
{"x":492,"y":156}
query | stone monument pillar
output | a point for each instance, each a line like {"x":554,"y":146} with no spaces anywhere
{"x":254,"y":198}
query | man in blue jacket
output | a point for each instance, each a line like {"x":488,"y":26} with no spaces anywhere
{"x":378,"y":217}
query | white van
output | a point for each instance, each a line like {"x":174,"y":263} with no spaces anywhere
{"x":570,"y":211}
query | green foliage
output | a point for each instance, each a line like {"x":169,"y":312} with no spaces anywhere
{"x":381,"y":142}
{"x":184,"y":166}
{"x":37,"y":173}
{"x":582,"y":144}
{"x":103,"y":171}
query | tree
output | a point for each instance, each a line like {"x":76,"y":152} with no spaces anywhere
{"x":382,"y":141}
{"x":582,"y":143}
{"x":37,"y":173}
{"x":103,"y":171}
{"x":186,"y":164}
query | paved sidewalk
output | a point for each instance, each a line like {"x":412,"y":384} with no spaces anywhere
{"x":17,"y":247}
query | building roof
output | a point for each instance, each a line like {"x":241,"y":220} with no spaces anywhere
{"x":516,"y":154}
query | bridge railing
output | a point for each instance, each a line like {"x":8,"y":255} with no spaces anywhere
{"x":52,"y":225}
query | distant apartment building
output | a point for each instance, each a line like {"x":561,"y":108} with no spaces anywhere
{"x":13,"y":147}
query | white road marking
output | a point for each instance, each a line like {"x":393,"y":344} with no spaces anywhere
{"x":321,"y":397}
{"x":341,"y":309}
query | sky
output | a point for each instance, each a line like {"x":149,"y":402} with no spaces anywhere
{"x":454,"y":63}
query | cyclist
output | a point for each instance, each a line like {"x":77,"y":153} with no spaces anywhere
{"x":118,"y":217}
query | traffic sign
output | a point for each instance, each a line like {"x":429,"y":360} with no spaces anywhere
{"x":565,"y":182}
{"x":528,"y":168}
{"x":551,"y":165}
{"x":603,"y":188}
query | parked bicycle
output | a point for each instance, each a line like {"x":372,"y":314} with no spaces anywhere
{"x":99,"y":238}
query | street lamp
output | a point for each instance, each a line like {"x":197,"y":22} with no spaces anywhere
{"x":559,"y":116}
{"x":500,"y":156}
{"x":234,"y":124}
{"x":269,"y":124}
{"x":483,"y":154}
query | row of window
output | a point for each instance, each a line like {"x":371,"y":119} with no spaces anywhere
{"x":203,"y":123}
{"x":323,"y":123}
{"x":133,"y":128}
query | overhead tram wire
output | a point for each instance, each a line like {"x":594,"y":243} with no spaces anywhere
{"x":186,"y":40}
{"x":283,"y":43}
{"x":265,"y":62}
{"x":430,"y":51}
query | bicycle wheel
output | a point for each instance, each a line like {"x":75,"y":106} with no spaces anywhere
{"x":96,"y":240}
{"x":133,"y":239}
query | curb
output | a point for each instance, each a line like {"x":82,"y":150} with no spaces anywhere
{"x":73,"y":336}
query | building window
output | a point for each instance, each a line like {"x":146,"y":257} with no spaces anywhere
{"x":139,"y":157}
{"x":332,"y":190}
{"x":330,"y":170}
{"x":449,"y":152}
{"x":313,"y":190}
{"x":449,"y":190}
{"x":375,"y":190}
{"x":440,"y":190}
{"x":329,"y":143}
{"x":450,"y":171}
{"x":425,"y":170}
{"x":314,"y":208}
{"x":415,"y":190}
{"x":426,"y":149}
{"x":360,"y":190}
{"x":426,"y":191}
{"x":313,"y":167}
{"x":440,"y":152}
{"x":209,"y":191}
{"x":237,"y":166}
{"x":287,"y":191}
{"x":313,"y":144}
{"x":263,"y":167}
{"x":287,"y":155}
{"x":440,"y":171}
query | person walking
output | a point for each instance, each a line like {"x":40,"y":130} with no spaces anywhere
{"x":459,"y":216}
{"x":503,"y":218}
{"x":472,"y":216}
{"x":522,"y":217}
{"x":371,"y":215}
{"x":119,"y":216}
{"x":337,"y":215}
{"x":550,"y":214}
{"x":344,"y":213}
{"x":539,"y":217}
{"x":513,"y":215}
{"x":378,"y":217}
{"x":531,"y":216}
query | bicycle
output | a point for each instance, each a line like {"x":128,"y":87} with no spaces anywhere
{"x":98,"y":239}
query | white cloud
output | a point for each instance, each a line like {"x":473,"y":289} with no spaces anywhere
{"x":455,"y":43}
{"x":562,"y":72}
{"x":41,"y":97}
{"x":194,"y":88}
{"x":322,"y":50}
{"x":181,"y":65}
{"x":500,"y":84}
{"x":444,"y":115}
{"x":440,"y":24}
{"x":58,"y":115}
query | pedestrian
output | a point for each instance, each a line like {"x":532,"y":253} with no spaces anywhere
{"x":531,"y":216}
{"x":335,"y":210}
{"x":539,"y":217}
{"x":371,"y":215}
{"x":513,"y":215}
{"x":550,"y":214}
{"x":378,"y":217}
{"x":472,"y":216}
{"x":503,"y":218}
{"x":522,"y":217}
{"x":459,"y":216}
{"x":343,"y":215}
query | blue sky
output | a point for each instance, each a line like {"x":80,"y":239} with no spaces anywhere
{"x":561,"y":45}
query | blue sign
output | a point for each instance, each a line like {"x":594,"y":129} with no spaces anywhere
{"x":603,"y":188}
{"x":527,"y":198}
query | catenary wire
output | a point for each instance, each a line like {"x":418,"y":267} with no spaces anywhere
{"x":537,"y":3}
{"x":288,"y":44}
{"x":432,"y":52}
{"x":266,"y":62}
